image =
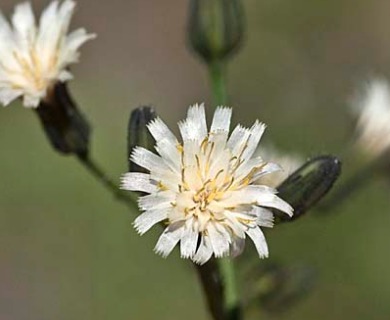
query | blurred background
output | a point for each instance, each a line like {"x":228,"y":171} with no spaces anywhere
{"x":67,"y":248}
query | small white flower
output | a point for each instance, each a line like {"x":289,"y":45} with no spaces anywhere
{"x":203,"y":188}
{"x":33,"y":57}
{"x":289,"y":163}
{"x":373,"y":110}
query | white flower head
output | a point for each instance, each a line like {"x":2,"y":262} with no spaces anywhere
{"x":34,"y":56}
{"x":288,"y":162}
{"x":203,"y":187}
{"x":373,"y":125}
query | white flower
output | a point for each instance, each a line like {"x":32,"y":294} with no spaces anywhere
{"x":289,"y":163}
{"x":203,"y":187}
{"x":33,"y":57}
{"x":373,"y":110}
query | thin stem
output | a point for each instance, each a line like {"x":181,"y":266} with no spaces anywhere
{"x":218,"y":82}
{"x":102,"y":177}
{"x":225,"y":266}
{"x":231,"y":298}
{"x":213,"y":286}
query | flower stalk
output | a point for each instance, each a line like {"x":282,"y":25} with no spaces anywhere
{"x":217,"y":72}
{"x":221,"y":291}
{"x":226,"y":266}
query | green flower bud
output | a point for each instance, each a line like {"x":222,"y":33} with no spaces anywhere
{"x":64,"y":125}
{"x":215,"y":28}
{"x":309,"y":184}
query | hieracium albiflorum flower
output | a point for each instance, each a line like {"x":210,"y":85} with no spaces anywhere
{"x":34,"y":56}
{"x":203,"y":188}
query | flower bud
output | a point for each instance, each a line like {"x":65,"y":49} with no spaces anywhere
{"x":215,"y":28}
{"x":138,"y":134}
{"x":309,"y":184}
{"x":64,"y":125}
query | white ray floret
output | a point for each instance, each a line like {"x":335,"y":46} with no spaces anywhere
{"x":373,"y":110}
{"x":287,"y":163}
{"x":203,"y":188}
{"x":34,"y":56}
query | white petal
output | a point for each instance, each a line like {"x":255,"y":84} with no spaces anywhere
{"x":247,"y":167}
{"x":77,"y":38}
{"x":65,"y":75}
{"x":135,"y":181}
{"x":168,"y":179}
{"x":256,"y":132}
{"x":65,"y":12}
{"x":273,"y":201}
{"x":238,"y":139}
{"x":237,"y":247}
{"x":8,"y":95}
{"x":147,"y":159}
{"x":48,"y":17}
{"x":169,"y":239}
{"x":221,"y":120}
{"x":191,"y":149}
{"x":267,"y":169}
{"x":54,"y":24}
{"x":24,"y":23}
{"x":73,"y":42}
{"x":189,"y":241}
{"x":194,"y":127}
{"x":32,"y":100}
{"x":158,"y":200}
{"x":148,"y":219}
{"x":219,"y":242}
{"x":5,"y":29}
{"x":159,"y":130}
{"x":234,"y":224}
{"x":248,"y":195}
{"x":258,"y":239}
{"x":373,"y":109}
{"x":265,"y":217}
{"x":48,"y":31}
{"x":204,"y":251}
{"x":170,"y":154}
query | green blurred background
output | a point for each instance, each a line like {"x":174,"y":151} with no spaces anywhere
{"x":67,"y":248}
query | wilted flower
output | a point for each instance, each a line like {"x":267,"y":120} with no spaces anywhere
{"x":288,"y":162}
{"x":33,"y":57}
{"x":203,"y":188}
{"x":373,"y":110}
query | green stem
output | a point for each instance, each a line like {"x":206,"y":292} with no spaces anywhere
{"x":218,"y":82}
{"x":102,"y":177}
{"x":231,"y":299}
{"x":226,"y":266}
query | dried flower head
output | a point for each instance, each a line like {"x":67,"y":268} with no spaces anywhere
{"x":203,"y":187}
{"x":373,"y":125}
{"x":33,"y":57}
